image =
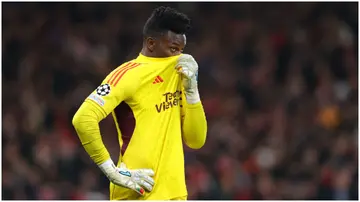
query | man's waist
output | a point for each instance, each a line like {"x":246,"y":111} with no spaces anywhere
{"x":161,"y":162}
{"x":169,"y":183}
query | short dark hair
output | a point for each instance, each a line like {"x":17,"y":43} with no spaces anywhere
{"x":165,"y":19}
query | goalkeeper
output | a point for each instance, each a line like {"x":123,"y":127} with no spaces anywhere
{"x":159,"y":91}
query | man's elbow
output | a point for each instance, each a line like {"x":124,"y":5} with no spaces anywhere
{"x":81,"y":117}
{"x":76,"y":120}
{"x":196,"y":144}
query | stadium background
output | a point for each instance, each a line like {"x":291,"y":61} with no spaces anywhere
{"x":279,"y":82}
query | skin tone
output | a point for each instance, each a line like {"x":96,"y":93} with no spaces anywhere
{"x":167,"y":45}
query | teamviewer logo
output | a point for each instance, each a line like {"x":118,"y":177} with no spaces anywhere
{"x":170,"y":100}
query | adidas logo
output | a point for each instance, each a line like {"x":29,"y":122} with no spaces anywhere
{"x":158,"y":79}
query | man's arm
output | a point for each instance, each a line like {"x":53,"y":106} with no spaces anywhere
{"x":194,"y":125}
{"x":117,"y":87}
{"x":86,"y":123}
{"x":95,"y":108}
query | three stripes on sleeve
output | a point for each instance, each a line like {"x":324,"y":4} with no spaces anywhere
{"x":120,"y":72}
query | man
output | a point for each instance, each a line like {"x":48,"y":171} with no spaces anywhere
{"x":159,"y":87}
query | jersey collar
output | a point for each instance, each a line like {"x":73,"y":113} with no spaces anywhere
{"x":144,"y":58}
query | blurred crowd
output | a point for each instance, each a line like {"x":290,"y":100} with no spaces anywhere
{"x":279,"y":83}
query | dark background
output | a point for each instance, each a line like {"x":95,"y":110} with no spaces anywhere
{"x":279,"y":83}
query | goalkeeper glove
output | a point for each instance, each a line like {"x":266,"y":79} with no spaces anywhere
{"x":188,"y":68}
{"x":136,"y":180}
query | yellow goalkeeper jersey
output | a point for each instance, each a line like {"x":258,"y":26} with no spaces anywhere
{"x":146,"y":101}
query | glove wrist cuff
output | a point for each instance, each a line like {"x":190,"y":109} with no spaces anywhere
{"x":108,"y":164}
{"x":193,"y":97}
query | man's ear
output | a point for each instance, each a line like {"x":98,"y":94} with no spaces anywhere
{"x":150,"y":44}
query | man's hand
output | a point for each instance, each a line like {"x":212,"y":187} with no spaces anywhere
{"x":188,"y":68}
{"x":137,"y":180}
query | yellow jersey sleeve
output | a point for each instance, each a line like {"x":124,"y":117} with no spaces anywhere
{"x":118,"y":86}
{"x":194,"y":124}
